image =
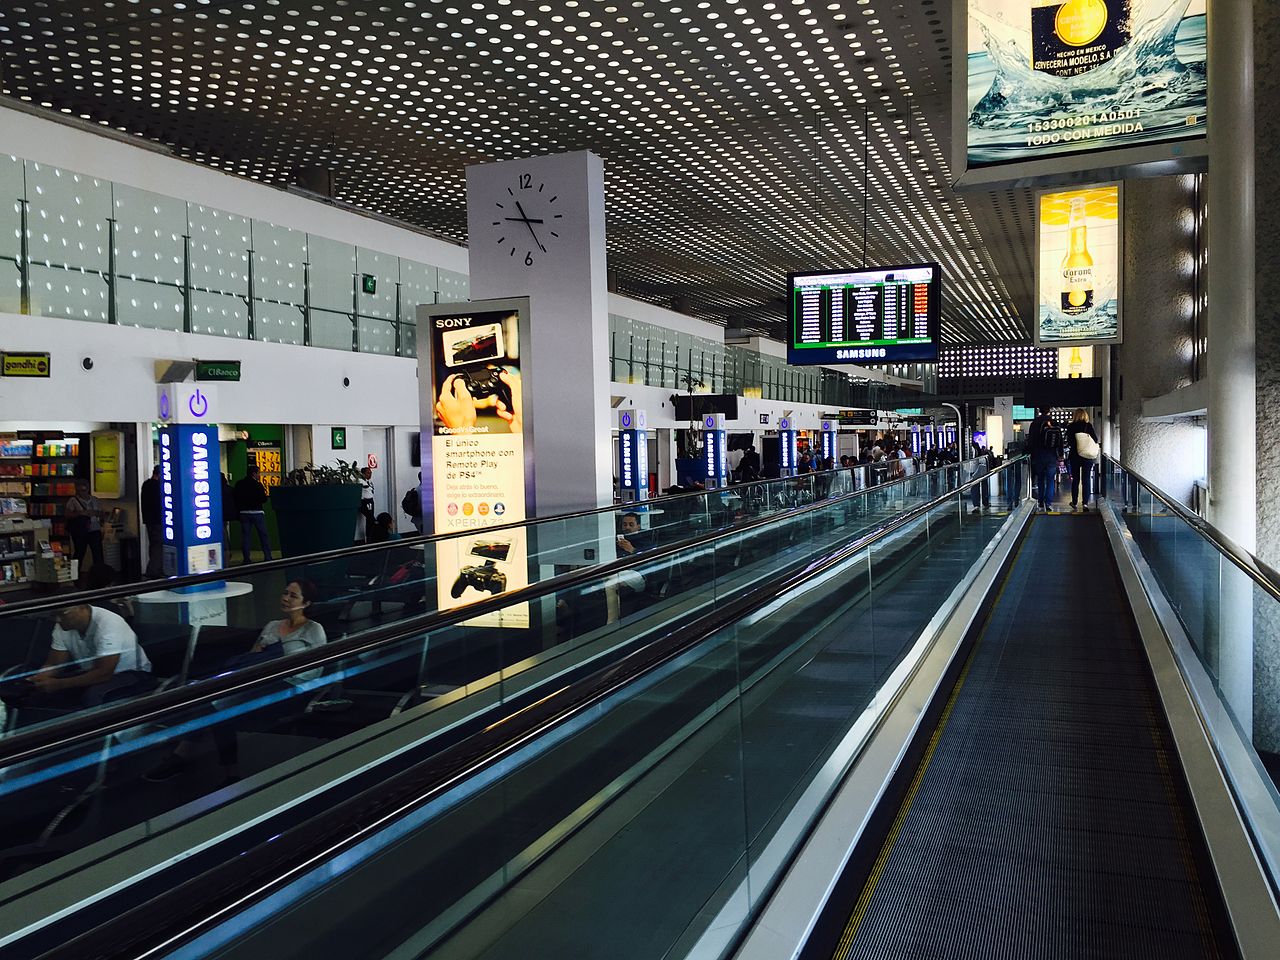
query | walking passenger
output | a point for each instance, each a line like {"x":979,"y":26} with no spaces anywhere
{"x":1083,"y":444}
{"x":1044,"y":439}
{"x":250,"y":497}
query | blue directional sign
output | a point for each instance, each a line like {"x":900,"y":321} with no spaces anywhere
{"x":190,"y":498}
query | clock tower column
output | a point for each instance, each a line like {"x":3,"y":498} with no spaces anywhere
{"x":536,"y":229}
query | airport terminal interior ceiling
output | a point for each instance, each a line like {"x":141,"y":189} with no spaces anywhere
{"x":733,"y":131}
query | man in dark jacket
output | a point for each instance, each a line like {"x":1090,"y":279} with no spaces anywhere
{"x":153,"y":523}
{"x":251,"y":495}
{"x":1044,"y":443}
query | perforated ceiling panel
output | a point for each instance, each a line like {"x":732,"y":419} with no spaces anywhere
{"x":738,"y":135}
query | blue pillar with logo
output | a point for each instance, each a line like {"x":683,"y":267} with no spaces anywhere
{"x":190,"y":481}
{"x":828,"y":440}
{"x":715,"y":456}
{"x":633,"y":456}
{"x":786,"y":447}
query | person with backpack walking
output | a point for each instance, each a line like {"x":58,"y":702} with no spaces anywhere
{"x":1084,"y":450}
{"x":1044,"y":440}
{"x":411,"y":504}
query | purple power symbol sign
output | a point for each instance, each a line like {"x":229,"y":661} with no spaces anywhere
{"x":164,"y":406}
{"x":198,"y":404}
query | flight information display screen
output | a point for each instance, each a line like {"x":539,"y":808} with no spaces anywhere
{"x":881,"y":315}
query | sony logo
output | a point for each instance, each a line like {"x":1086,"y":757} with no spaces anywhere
{"x":452,"y":323}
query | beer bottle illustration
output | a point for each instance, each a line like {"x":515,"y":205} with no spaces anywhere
{"x":1070,"y":37}
{"x":1077,"y":265}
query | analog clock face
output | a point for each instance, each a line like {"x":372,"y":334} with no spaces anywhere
{"x":526,"y":221}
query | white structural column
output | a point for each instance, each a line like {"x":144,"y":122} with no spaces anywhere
{"x":536,"y":228}
{"x":1231,"y":359}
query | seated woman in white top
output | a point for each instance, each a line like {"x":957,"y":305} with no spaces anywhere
{"x":293,"y":633}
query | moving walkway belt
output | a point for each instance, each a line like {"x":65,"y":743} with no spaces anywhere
{"x":1048,"y":816}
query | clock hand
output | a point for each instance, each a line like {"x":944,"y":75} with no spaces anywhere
{"x":529,"y":223}
{"x":523,"y":220}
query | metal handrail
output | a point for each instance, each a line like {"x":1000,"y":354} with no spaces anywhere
{"x":47,"y":604}
{"x":124,"y":590}
{"x":267,"y":868}
{"x":1259,"y":572}
{"x":152,"y":708}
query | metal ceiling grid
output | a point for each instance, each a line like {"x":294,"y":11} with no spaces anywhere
{"x":734,"y":131}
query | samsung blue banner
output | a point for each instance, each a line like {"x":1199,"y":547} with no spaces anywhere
{"x":190,"y":499}
{"x":715,"y":455}
{"x":828,"y":442}
{"x":633,"y":455}
{"x":786,"y":447}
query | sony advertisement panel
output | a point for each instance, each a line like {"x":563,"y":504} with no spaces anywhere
{"x":1078,"y":258}
{"x":478,"y":476}
{"x":1049,"y":79}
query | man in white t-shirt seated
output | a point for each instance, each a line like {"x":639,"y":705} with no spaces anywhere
{"x":91,"y":646}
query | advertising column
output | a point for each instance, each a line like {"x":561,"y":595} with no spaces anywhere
{"x":473,"y":399}
{"x":190,"y":481}
{"x":633,"y":456}
{"x":786,"y":447}
{"x":713,"y":450}
{"x":828,"y":441}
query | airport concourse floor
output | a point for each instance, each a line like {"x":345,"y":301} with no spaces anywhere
{"x":1048,"y":816}
{"x":623,"y":836}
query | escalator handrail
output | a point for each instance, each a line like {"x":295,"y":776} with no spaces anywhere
{"x":155,"y":707}
{"x":262,"y":869}
{"x":104,"y":594}
{"x":1259,"y":572}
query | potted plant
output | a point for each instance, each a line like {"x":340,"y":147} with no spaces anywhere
{"x":316,"y":507}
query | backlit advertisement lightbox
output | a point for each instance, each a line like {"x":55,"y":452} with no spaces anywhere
{"x":1078,"y":257}
{"x":473,"y":409}
{"x":1060,"y":86}
{"x":878,"y":315}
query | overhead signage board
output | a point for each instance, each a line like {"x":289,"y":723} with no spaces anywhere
{"x":24,"y":364}
{"x":1078,"y":257}
{"x":1059,"y":87}
{"x":858,"y":418}
{"x":190,"y":499}
{"x":224,"y":371}
{"x":472,"y":406}
{"x":882,"y":315}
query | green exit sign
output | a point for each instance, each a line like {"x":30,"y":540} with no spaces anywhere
{"x":226,"y":371}
{"x":369,"y":283}
{"x":338,"y":438}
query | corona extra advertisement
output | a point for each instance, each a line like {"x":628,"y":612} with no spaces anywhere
{"x":1078,"y":266}
{"x":1052,"y":77}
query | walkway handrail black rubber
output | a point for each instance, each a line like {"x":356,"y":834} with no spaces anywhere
{"x":47,"y":604}
{"x":1259,"y":572}
{"x":153,"y":707}
{"x":167,"y":921}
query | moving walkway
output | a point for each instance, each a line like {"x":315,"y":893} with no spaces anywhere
{"x":945,"y":735}
{"x":73,"y":792}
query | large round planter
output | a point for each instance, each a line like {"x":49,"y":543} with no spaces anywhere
{"x":317,"y":518}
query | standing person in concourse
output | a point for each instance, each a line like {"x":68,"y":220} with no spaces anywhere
{"x":153,"y":522}
{"x":1044,"y":441}
{"x":251,"y":495}
{"x":84,"y":515}
{"x":1083,"y":445}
